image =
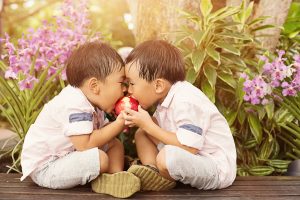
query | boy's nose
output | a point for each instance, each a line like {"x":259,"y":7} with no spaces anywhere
{"x":129,"y":90}
{"x":124,"y":88}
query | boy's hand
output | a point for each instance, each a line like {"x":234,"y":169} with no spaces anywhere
{"x":120,"y":118}
{"x":139,"y":118}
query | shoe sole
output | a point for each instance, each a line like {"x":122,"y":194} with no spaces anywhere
{"x":150,"y":179}
{"x":121,"y":184}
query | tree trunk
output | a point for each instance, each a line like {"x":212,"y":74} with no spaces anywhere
{"x":158,"y":18}
{"x":277,"y":10}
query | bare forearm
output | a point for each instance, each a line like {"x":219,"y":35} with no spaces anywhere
{"x":97,"y":138}
{"x":167,"y":137}
{"x":102,"y":136}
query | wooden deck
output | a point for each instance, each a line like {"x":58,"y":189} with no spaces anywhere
{"x":258,"y":188}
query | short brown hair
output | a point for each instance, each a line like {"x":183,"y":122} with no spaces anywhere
{"x":158,"y":59}
{"x":92,"y":59}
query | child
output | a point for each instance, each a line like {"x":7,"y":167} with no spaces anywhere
{"x":71,"y":142}
{"x":187,"y":140}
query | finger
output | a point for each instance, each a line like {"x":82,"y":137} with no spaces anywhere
{"x":128,"y":123}
{"x":140,"y":108}
{"x":129,"y":111}
{"x":128,"y":117}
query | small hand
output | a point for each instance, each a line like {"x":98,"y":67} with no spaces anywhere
{"x":120,"y":118}
{"x":138,"y":118}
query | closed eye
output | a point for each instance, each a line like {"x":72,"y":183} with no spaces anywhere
{"x":124,"y":84}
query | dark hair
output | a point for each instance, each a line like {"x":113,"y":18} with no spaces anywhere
{"x":158,"y":59}
{"x":92,"y":59}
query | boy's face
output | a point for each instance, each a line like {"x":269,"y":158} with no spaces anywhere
{"x":111,"y":90}
{"x":139,"y":88}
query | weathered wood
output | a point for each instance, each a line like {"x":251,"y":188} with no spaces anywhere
{"x":261,"y":188}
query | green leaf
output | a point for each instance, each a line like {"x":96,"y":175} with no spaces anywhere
{"x":255,"y":128}
{"x":231,"y":58}
{"x":258,"y":20}
{"x":206,"y":7}
{"x":282,"y":115}
{"x":208,"y":90}
{"x":228,"y":47}
{"x":211,"y":75}
{"x":227,"y":78}
{"x":230,"y":117}
{"x":270,"y":109}
{"x":197,"y":37}
{"x":188,"y":15}
{"x":213,"y":54}
{"x":293,"y":34}
{"x":235,"y":36}
{"x":262,"y":27}
{"x":239,"y":91}
{"x":241,"y":116}
{"x":181,"y":36}
{"x":223,"y":13}
{"x":191,"y":75}
{"x":248,"y":12}
{"x":198,"y":57}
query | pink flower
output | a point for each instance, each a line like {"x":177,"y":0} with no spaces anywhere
{"x":50,"y":44}
{"x":27,"y":83}
{"x":10,"y":74}
{"x":275,"y":76}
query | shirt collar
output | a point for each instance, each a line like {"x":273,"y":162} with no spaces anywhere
{"x":79,"y":91}
{"x":167,"y":101}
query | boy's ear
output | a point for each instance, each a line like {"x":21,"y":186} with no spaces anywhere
{"x":94,"y":85}
{"x":160,"y":85}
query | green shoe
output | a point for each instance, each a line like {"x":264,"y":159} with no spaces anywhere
{"x":151,"y":180}
{"x":121,"y":184}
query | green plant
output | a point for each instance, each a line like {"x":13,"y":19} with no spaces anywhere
{"x":290,"y":35}
{"x":217,"y":48}
{"x":218,"y":45}
{"x":21,"y":107}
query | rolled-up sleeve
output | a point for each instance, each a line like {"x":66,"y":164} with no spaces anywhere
{"x":79,"y":122}
{"x":192,"y":123}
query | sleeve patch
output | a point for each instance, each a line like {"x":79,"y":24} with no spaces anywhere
{"x":192,"y":128}
{"x":78,"y":117}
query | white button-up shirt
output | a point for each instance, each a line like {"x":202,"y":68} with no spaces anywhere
{"x":69,"y":113}
{"x":197,"y":123}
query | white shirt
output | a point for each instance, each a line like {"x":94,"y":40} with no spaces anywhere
{"x":69,"y":113}
{"x":197,"y":123}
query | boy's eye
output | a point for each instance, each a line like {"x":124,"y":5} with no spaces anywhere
{"x":124,"y":84}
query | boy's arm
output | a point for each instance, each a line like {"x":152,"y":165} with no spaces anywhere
{"x":98,"y":137}
{"x":166,"y":137}
{"x":149,"y":125}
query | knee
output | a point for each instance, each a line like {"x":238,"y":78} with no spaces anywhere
{"x":117,"y":144}
{"x":139,"y":134}
{"x":161,"y":161}
{"x":104,"y":162}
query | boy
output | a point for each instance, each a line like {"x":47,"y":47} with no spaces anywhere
{"x":71,"y":142}
{"x":187,"y":140}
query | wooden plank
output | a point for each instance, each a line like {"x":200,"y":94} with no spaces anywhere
{"x":278,"y":187}
{"x":261,"y":188}
{"x":135,"y":197}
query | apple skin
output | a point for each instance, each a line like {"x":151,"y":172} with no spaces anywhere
{"x":126,"y":102}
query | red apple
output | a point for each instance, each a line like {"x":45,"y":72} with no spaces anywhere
{"x":126,"y":102}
